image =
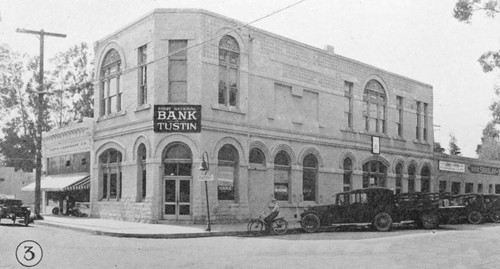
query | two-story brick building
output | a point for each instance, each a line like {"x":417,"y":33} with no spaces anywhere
{"x":278,"y":118}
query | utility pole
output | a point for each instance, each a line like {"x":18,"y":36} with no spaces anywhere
{"x":40,"y":92}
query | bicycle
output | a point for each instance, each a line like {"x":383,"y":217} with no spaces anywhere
{"x":277,"y":226}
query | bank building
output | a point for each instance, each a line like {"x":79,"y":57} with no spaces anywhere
{"x":266,"y":116}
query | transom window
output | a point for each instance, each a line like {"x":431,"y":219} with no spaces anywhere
{"x":110,"y":91}
{"x":178,"y":160}
{"x":257,"y":157}
{"x":229,"y":61}
{"x":374,"y":107}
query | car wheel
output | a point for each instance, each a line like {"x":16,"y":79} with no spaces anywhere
{"x":429,"y":220}
{"x":382,"y":222}
{"x":310,"y":223}
{"x":279,"y":226}
{"x":55,"y":210}
{"x":255,"y":226}
{"x":495,"y":216}
{"x":475,"y":217}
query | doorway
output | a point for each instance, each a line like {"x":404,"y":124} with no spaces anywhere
{"x":177,"y":179}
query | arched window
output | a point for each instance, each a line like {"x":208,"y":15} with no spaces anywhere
{"x":141,"y":169}
{"x":374,"y":174}
{"x":178,"y":160}
{"x":109,"y":77}
{"x":257,"y":157}
{"x":111,"y":174}
{"x":399,"y":177}
{"x":425,"y":179}
{"x":282,"y":171}
{"x":374,"y":107}
{"x":309,"y":177}
{"x":347,"y":174}
{"x":229,"y":62}
{"x":411,"y":178}
{"x":228,"y":173}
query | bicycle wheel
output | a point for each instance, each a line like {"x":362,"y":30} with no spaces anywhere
{"x":255,"y":226}
{"x":279,"y":226}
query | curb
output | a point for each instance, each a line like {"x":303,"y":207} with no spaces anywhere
{"x":160,"y":236}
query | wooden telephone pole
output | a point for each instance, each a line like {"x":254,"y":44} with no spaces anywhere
{"x":40,"y":92}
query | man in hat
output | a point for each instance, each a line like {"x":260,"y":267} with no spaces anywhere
{"x":273,"y":214}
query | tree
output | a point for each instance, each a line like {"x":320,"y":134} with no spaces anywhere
{"x":489,"y":149}
{"x":452,"y":147}
{"x":74,"y":72}
{"x":438,"y":148}
{"x":463,"y":11}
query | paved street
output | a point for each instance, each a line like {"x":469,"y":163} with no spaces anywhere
{"x":457,"y":246}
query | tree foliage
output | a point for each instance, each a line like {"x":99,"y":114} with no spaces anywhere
{"x":71,"y":75}
{"x":463,"y":11}
{"x":453,"y":147}
{"x":438,"y":148}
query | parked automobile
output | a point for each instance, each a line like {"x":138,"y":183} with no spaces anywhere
{"x":13,"y":209}
{"x":478,"y":207}
{"x":378,"y":208}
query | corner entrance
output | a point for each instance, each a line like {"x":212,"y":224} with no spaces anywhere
{"x":177,"y":180}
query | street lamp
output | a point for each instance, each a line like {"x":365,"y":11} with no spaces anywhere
{"x":205,"y":167}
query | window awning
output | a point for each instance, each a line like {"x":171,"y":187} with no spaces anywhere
{"x":62,"y":182}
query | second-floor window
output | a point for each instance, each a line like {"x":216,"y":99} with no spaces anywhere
{"x":374,"y":107}
{"x":348,"y":103}
{"x":399,"y":121}
{"x":110,"y":91}
{"x":419,"y":124}
{"x":177,"y":71}
{"x":426,"y":122}
{"x":143,"y":74}
{"x":229,"y":61}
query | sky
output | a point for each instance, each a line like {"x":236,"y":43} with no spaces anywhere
{"x":418,"y":39}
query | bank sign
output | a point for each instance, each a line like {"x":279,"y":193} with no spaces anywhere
{"x":177,"y":118}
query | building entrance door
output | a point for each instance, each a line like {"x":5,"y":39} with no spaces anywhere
{"x":177,"y":197}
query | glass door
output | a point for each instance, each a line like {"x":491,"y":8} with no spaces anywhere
{"x":177,"y":198}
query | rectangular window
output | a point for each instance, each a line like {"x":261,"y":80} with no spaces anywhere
{"x":417,"y":129}
{"x":455,"y":187}
{"x":490,"y":188}
{"x":497,"y":188}
{"x":399,"y":122}
{"x":281,"y":179}
{"x":348,"y":103}
{"x":480,"y":188}
{"x":426,"y":121}
{"x":469,"y":187}
{"x":143,"y":74}
{"x":177,"y":71}
{"x":113,"y":184}
{"x":442,"y":186}
{"x":105,"y":185}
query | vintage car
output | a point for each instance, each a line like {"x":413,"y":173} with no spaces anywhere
{"x":370,"y":206}
{"x":478,"y":207}
{"x":13,"y":209}
{"x":380,"y":208}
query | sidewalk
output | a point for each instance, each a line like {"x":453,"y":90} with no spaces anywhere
{"x":145,"y":230}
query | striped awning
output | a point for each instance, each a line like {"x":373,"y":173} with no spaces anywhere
{"x":82,"y":184}
{"x":61,"y":182}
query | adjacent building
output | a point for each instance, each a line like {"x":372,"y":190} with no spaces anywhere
{"x":277,"y":118}
{"x":11,"y":182}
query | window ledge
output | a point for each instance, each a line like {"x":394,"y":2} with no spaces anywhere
{"x":112,"y":115}
{"x":259,"y":167}
{"x":142,"y":107}
{"x":231,"y":109}
{"x":348,"y":130}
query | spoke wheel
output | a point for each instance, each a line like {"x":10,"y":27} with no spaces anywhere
{"x":495,"y":216}
{"x":429,"y":220}
{"x":310,"y":223}
{"x":382,"y":222}
{"x":475,"y":217}
{"x":279,"y":226}
{"x":255,"y":226}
